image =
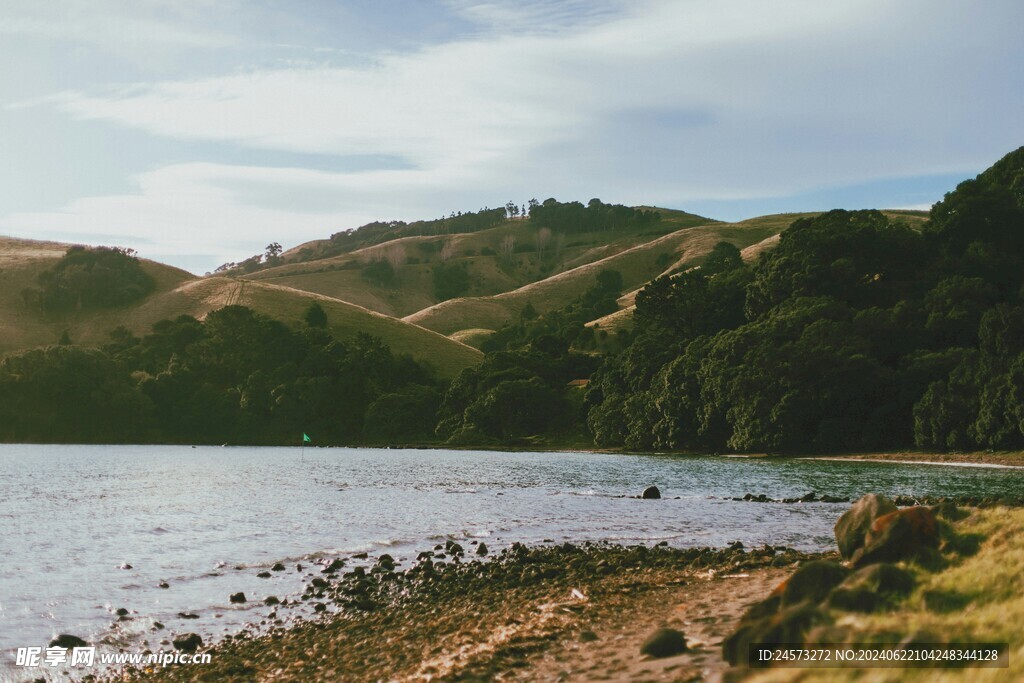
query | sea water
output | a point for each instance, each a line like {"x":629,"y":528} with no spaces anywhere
{"x":206,"y":521}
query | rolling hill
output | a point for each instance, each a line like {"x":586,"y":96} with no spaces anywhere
{"x":180,"y":293}
{"x":21,"y":262}
{"x":508,"y":268}
{"x":638,"y":265}
{"x":492,"y":269}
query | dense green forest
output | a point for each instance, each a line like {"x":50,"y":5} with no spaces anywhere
{"x":237,"y":377}
{"x":855,"y":332}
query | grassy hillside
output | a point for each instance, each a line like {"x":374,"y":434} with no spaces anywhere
{"x":21,"y":262}
{"x":491,"y":269}
{"x":638,"y":264}
{"x":179,"y":293}
{"x":344,"y":320}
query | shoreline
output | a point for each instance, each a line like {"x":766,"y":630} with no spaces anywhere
{"x":907,"y":461}
{"x":527,"y":609}
{"x":995,"y":459}
{"x":585,"y":612}
{"x":1007,"y":459}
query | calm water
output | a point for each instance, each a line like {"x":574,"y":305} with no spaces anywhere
{"x":70,"y":516}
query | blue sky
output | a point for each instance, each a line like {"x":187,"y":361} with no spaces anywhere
{"x":198,"y":131}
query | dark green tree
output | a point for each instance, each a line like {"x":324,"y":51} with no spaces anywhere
{"x":450,"y":280}
{"x":315,"y":315}
{"x":99,"y":277}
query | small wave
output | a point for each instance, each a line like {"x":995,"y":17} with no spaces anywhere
{"x":587,"y":493}
{"x":291,"y":560}
{"x":370,"y":546}
{"x":642,"y":537}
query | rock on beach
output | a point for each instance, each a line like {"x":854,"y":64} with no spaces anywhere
{"x":188,"y":642}
{"x":852,"y":528}
{"x":665,"y":642}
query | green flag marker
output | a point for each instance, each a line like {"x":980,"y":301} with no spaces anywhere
{"x":305,"y":438}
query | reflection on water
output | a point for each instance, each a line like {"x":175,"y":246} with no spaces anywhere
{"x":71,"y":516}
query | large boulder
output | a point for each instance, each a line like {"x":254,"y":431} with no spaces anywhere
{"x":651,"y":493}
{"x":852,"y":528}
{"x":948,"y":510}
{"x":789,"y":612}
{"x":899,"y":535}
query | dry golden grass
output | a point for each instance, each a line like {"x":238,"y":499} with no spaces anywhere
{"x":614,"y":322}
{"x":490,"y":272}
{"x":473,"y":337}
{"x":637,"y":264}
{"x":21,"y":262}
{"x":751,"y":253}
{"x":180,"y":293}
{"x":977,"y":599}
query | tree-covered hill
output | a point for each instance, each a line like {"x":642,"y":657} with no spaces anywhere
{"x":834,"y":331}
{"x":854,"y":332}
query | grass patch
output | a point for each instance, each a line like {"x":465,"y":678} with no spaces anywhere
{"x":976,"y":598}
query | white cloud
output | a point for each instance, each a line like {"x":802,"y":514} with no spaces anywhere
{"x":539,"y":16}
{"x":114,"y":25}
{"x":766,"y":71}
{"x":643,"y":103}
{"x":203,"y":209}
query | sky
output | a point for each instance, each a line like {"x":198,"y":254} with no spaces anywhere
{"x":199,"y":131}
